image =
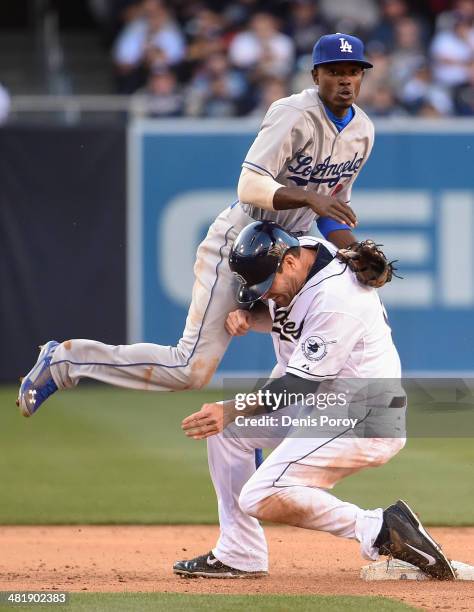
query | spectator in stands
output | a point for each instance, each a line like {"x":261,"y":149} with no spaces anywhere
{"x":463,"y":9}
{"x":262,"y":49}
{"x":215,"y":67}
{"x":302,"y":78}
{"x":162,"y":95}
{"x":305,"y":26}
{"x":206,"y":35}
{"x":377,"y":77}
{"x":428,"y":111}
{"x":384,"y":31}
{"x":219,"y":102}
{"x":393,"y":11}
{"x":231,"y":56}
{"x":408,"y":53}
{"x":151,"y":40}
{"x":163,"y":37}
{"x":355,"y":17}
{"x":272,"y":89}
{"x":452,"y":52}
{"x":464,"y":95}
{"x":383,"y":103}
{"x":420,"y":91}
{"x":238,"y":14}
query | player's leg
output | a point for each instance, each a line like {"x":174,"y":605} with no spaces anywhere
{"x":188,"y":365}
{"x":291,"y":486}
{"x":241,"y":542}
{"x":242,"y":495}
{"x":193,"y":361}
{"x":241,"y":546}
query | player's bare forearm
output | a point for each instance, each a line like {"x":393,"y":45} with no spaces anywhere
{"x":214,"y":418}
{"x":239,"y":322}
{"x":287,"y":198}
{"x":261,"y":319}
{"x":342,"y":238}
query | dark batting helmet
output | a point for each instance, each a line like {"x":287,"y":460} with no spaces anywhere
{"x":256,"y":256}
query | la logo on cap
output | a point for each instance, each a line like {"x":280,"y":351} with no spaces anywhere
{"x":346,"y":47}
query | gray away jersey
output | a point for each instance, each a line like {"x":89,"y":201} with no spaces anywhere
{"x":299,"y":146}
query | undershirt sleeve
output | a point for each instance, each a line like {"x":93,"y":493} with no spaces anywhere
{"x":257,"y":189}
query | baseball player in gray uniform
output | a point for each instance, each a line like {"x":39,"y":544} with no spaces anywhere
{"x":325,"y":326}
{"x":301,"y":167}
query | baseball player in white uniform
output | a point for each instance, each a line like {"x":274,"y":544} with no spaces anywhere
{"x":301,"y":167}
{"x":325,"y":325}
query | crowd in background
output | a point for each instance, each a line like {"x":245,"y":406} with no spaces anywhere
{"x":221,"y":59}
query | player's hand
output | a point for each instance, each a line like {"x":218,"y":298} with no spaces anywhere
{"x":209,"y":421}
{"x":327,"y":206}
{"x":238,"y":322}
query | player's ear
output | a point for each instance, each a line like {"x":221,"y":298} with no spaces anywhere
{"x":289,"y":261}
{"x":314,"y":73}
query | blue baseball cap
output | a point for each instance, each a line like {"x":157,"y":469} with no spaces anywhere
{"x":339,"y":48}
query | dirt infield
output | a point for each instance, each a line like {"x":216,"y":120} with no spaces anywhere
{"x":136,"y":558}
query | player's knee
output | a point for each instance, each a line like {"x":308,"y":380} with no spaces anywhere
{"x":197,"y":380}
{"x":193,"y":383}
{"x":249,"y":500}
{"x":391,"y":447}
{"x":200,"y":372}
{"x":246,"y":505}
{"x":183,"y":382}
{"x":192,"y":377}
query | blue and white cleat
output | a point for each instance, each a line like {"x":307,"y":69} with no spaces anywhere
{"x":38,"y":384}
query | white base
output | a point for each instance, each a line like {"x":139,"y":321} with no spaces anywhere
{"x":399,"y":570}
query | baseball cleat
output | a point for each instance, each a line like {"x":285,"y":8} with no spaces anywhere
{"x":207,"y":566}
{"x":403,"y":537}
{"x":38,"y":384}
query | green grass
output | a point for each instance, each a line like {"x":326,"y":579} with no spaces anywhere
{"x":118,"y":602}
{"x":104,"y":455}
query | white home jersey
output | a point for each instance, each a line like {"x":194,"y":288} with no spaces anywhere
{"x":334,"y":326}
{"x":299,"y":146}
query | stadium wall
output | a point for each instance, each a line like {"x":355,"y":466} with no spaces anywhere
{"x":62,"y":239}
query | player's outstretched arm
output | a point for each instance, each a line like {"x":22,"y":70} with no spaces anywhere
{"x":263,"y":191}
{"x":214,"y":418}
{"x":341,"y":238}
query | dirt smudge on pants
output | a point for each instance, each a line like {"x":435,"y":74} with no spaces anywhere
{"x":202,"y":370}
{"x":148,"y":374}
{"x":281,"y":508}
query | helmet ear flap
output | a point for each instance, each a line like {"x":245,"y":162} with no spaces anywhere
{"x":256,"y":256}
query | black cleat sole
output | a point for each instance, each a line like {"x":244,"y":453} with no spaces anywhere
{"x":221,"y":575}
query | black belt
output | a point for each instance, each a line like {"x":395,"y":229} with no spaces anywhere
{"x":398,"y":402}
